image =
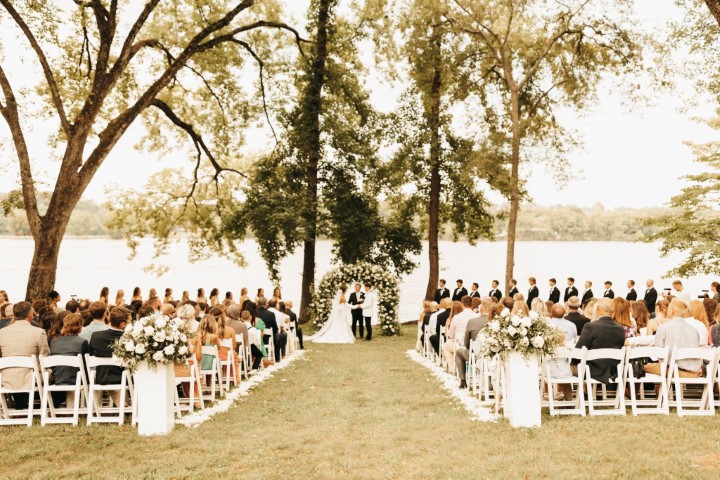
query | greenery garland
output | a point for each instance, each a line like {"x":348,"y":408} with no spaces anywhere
{"x":385,"y":284}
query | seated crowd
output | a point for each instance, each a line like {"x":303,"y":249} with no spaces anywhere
{"x":676,"y":320}
{"x":46,"y":327}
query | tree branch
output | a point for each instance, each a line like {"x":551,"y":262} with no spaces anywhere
{"x":49,"y":77}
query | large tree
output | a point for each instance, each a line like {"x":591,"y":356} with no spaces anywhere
{"x":104,"y":64}
{"x":537,"y":56}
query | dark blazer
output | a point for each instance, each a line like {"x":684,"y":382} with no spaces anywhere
{"x":631,"y":295}
{"x":442,"y":319}
{"x":570,"y":292}
{"x":532,"y":295}
{"x":475,"y":294}
{"x":602,"y":333}
{"x":68,"y":346}
{"x":268,"y":318}
{"x":441,"y":293}
{"x":512,"y":292}
{"x":554,"y":295}
{"x":293,"y":317}
{"x":356,"y":298}
{"x":609,"y":294}
{"x":495,"y":293}
{"x":650,"y":299}
{"x":587,"y":296}
{"x":458,"y":293}
{"x":473,"y":327}
{"x":101,"y":345}
{"x":578,"y":320}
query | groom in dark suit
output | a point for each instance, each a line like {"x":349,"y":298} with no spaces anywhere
{"x":356,"y":298}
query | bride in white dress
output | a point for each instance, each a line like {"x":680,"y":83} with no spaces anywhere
{"x":337,"y":328}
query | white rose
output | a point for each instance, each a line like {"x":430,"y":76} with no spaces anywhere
{"x":161,"y":322}
{"x":534,"y":315}
{"x":128,"y":328}
{"x":511,"y":331}
{"x":495,"y":326}
{"x":140,"y":348}
{"x":157,"y":356}
{"x":515,"y":320}
{"x":159,"y":336}
{"x":169,"y":350}
{"x":149,"y":330}
{"x":505,"y":312}
{"x":129,"y":346}
{"x":526,"y":322}
{"x":183,"y":350}
{"x":538,"y":342}
{"x":525,"y":342}
{"x":137,"y":328}
{"x":183,"y":337}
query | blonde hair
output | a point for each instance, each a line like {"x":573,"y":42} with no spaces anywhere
{"x":679,"y":308}
{"x":539,"y":307}
{"x":207,"y":330}
{"x":621,"y":315}
{"x":698,"y":312}
{"x":520,"y":307}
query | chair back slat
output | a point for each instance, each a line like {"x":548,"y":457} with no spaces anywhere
{"x":18,"y":362}
{"x":61,"y":361}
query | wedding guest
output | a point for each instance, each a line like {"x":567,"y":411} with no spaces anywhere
{"x":228,"y":299}
{"x":226,"y":333}
{"x":590,"y":310}
{"x":168,"y":295}
{"x":474,"y":293}
{"x":710,"y":305}
{"x":270,"y":321}
{"x":476,"y":304}
{"x":518,"y":297}
{"x":520,"y":308}
{"x":421,"y":323}
{"x":152,"y":293}
{"x":214,"y":293}
{"x":22,"y":340}
{"x":235,"y":321}
{"x":255,"y":339}
{"x":277,"y":295}
{"x":680,"y":291}
{"x":588,"y":295}
{"x":185,"y":297}
{"x":39,"y":307}
{"x":441,"y":292}
{"x":200,"y":311}
{"x":554,"y":295}
{"x":715,"y":333}
{"x":259,"y":324}
{"x":86,"y":316}
{"x":495,"y":292}
{"x":513,"y":289}
{"x":68,"y":344}
{"x":281,"y":342}
{"x":186,"y":313}
{"x":119,"y":298}
{"x":608,"y":290}
{"x":101,"y":345}
{"x":661,"y":307}
{"x":650,"y":297}
{"x":640,"y":314}
{"x":104,"y":295}
{"x":561,"y":368}
{"x":72,"y":306}
{"x":570,"y":291}
{"x":715,"y":290}
{"x":697,"y":320}
{"x":201,"y":296}
{"x":154,"y":303}
{"x":677,"y":333}
{"x":99,"y":312}
{"x":6,"y":315}
{"x":260,"y":293}
{"x":294,"y":323}
{"x":574,"y":316}
{"x":539,"y":307}
{"x":621,"y":316}
{"x":461,"y":314}
{"x":506,"y":302}
{"x":46,"y":319}
{"x":84,"y":304}
{"x":602,"y":333}
{"x":532,"y":292}
{"x":434,"y":307}
{"x":459,"y":292}
{"x":3,"y":298}
{"x":54,"y":300}
{"x":137,"y":294}
{"x":55,"y":325}
{"x":632,"y":294}
{"x":243,"y":296}
{"x":473,"y":327}
{"x":206,"y":337}
{"x":438,"y":321}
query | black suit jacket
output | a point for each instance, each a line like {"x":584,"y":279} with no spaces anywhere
{"x":512,"y":292}
{"x":442,"y":319}
{"x":554,"y":295}
{"x":532,"y":295}
{"x":570,"y":292}
{"x":587,"y":296}
{"x":650,"y":299}
{"x":268,"y":318}
{"x":475,"y":294}
{"x":356,"y":298}
{"x":609,"y":294}
{"x":631,"y":295}
{"x":602,"y":333}
{"x":458,"y":293}
{"x":578,"y":320}
{"x":293,"y":317}
{"x":101,"y":345}
{"x":495,"y":293}
{"x":441,"y":293}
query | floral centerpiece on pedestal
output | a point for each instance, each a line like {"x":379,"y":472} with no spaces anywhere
{"x":155,"y":339}
{"x":527,"y":335}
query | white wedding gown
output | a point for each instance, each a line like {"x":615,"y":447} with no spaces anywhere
{"x":337,"y":328}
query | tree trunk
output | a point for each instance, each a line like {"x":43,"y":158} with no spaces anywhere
{"x":435,"y":183}
{"x":514,"y":189}
{"x":311,"y":125}
{"x":43,"y":268}
{"x":714,"y":6}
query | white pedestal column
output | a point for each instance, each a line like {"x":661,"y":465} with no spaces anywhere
{"x":155,"y":392}
{"x":522,"y":405}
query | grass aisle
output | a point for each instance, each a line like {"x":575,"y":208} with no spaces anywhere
{"x":366,"y":411}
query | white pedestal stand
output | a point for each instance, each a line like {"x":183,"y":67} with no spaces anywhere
{"x":522,"y":405}
{"x":155,"y":392}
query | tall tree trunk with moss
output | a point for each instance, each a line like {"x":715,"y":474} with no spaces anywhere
{"x":514,"y":188}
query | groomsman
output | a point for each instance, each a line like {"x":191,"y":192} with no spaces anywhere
{"x":513,"y":288}
{"x":533,"y":292}
{"x":554,"y":292}
{"x":441,"y":292}
{"x":495,"y":292}
{"x":474,"y":291}
{"x":460,"y":291}
{"x":570,"y":291}
{"x":650,"y":297}
{"x":356,"y":298}
{"x":632,"y":294}
{"x":588,"y":295}
{"x":608,"y":290}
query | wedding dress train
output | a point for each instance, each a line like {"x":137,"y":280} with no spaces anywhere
{"x":337,"y":328}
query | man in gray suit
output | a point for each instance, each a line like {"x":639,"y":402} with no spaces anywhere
{"x":21,"y":340}
{"x":474,"y":325}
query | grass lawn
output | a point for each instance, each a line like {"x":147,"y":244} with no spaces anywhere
{"x":366,"y":411}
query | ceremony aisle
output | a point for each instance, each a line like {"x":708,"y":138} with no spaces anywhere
{"x":366,"y":411}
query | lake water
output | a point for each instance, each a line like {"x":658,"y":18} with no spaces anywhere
{"x":86,"y":265}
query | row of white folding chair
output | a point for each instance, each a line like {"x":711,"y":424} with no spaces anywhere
{"x":270,"y":345}
{"x":213,"y":375}
{"x":79,"y":390}
{"x":228,"y":364}
{"x":97,"y":412}
{"x":243,"y":352}
{"x":14,"y":416}
{"x":194,"y":382}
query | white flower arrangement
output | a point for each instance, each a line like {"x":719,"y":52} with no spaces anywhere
{"x":528,"y":335}
{"x":154,"y":339}
{"x":383,"y":282}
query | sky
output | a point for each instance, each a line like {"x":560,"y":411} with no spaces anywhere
{"x":631,"y":156}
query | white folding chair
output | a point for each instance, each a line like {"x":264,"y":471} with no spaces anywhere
{"x":705,"y":404}
{"x":472,"y":368}
{"x":617,"y":404}
{"x":193,"y":381}
{"x":214,"y":373}
{"x":242,"y":353}
{"x":79,"y":390}
{"x":716,"y":363}
{"x":427,"y":347}
{"x":660,"y":404}
{"x":95,"y":409}
{"x":14,"y":416}
{"x":565,"y":407}
{"x":228,"y":364}
{"x":440,"y":359}
{"x":270,"y":345}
